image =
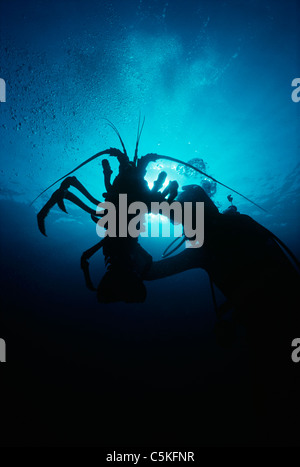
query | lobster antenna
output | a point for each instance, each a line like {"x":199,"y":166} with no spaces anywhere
{"x":137,"y":138}
{"x":154,"y":157}
{"x":213,"y":179}
{"x":139,"y":132}
{"x":117,"y":132}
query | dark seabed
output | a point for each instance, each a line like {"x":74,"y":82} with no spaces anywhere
{"x":214,"y":80}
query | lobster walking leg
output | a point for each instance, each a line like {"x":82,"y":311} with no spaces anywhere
{"x":58,"y":198}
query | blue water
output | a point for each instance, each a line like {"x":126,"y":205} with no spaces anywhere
{"x":213,"y":80}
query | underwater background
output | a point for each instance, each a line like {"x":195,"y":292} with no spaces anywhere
{"x":213,"y":79}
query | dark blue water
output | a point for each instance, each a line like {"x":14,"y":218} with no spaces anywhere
{"x":213,"y":80}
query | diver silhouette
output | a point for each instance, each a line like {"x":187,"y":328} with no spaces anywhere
{"x":239,"y":254}
{"x":259,"y":278}
{"x":246,"y":262}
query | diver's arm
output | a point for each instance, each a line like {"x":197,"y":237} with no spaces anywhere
{"x":190,"y":258}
